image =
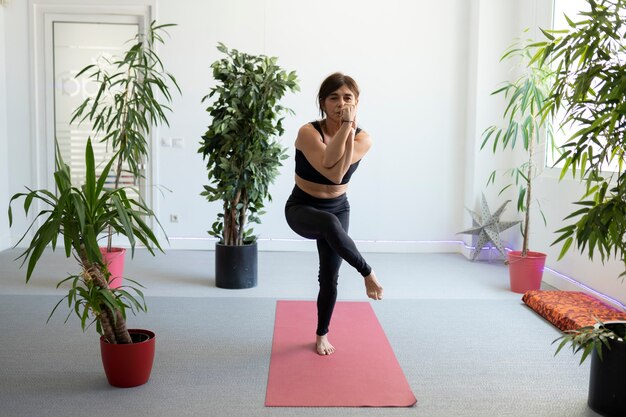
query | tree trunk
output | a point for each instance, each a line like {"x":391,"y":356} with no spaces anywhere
{"x":242,"y":217}
{"x":230,"y":231}
{"x":113,"y":323}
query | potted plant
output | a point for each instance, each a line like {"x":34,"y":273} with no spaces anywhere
{"x":524,"y":126}
{"x":589,"y":87}
{"x":77,"y":215}
{"x":122,"y":113}
{"x":242,"y":155}
{"x":606,"y":344}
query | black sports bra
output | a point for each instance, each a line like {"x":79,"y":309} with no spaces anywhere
{"x":306,"y":171}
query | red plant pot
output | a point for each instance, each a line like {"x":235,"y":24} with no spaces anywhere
{"x":129,"y":365}
{"x":525,"y":272}
{"x":115,"y":262}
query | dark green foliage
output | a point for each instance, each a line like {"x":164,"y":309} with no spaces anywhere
{"x":590,"y":85}
{"x":242,"y":156}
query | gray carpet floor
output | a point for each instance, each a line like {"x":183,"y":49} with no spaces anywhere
{"x":467,"y":345}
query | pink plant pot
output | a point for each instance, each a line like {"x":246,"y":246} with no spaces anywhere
{"x":115,"y":263}
{"x":525,"y":272}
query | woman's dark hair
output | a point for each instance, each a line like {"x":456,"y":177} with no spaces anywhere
{"x":331,"y":84}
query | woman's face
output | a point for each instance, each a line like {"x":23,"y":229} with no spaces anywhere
{"x":337,"y":100}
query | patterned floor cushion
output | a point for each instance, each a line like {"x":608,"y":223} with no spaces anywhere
{"x":569,"y":310}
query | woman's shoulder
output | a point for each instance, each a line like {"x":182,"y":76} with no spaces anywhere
{"x":310,"y":129}
{"x":314,"y":125}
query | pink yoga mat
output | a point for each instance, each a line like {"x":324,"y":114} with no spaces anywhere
{"x":363,"y":372}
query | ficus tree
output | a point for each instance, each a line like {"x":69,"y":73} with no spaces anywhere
{"x":240,"y":147}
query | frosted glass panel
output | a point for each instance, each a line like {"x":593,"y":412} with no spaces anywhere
{"x":77,"y":45}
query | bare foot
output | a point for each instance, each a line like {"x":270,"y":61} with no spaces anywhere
{"x":373,"y":288}
{"x":323,"y":346}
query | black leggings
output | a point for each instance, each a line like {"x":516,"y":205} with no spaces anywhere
{"x":327,"y":221}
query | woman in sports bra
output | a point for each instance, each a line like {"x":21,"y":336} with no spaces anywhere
{"x":327,"y":154}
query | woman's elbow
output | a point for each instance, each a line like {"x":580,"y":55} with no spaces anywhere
{"x":328,"y":164}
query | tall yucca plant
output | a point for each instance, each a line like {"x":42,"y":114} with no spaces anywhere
{"x":77,"y":215}
{"x":126,"y":105}
{"x":524,"y":125}
{"x":242,"y":155}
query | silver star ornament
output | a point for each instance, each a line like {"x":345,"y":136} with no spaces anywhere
{"x":488,"y":227}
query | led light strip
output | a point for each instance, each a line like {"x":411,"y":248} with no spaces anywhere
{"x":586,"y":287}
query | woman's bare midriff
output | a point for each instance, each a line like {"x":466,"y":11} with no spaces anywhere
{"x":321,"y":190}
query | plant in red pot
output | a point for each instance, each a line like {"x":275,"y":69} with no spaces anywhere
{"x":525,"y":126}
{"x":76,"y":216}
{"x":122,"y":114}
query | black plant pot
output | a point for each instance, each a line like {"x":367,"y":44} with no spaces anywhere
{"x":236,"y":266}
{"x":607,"y":381}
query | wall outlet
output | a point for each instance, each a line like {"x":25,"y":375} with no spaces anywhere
{"x":178,"y":143}
{"x":173,"y":218}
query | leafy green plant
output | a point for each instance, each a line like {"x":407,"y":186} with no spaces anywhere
{"x":126,"y":105}
{"x":77,"y":216}
{"x":524,"y":125}
{"x":590,"y":338}
{"x":589,"y":85}
{"x":242,"y":156}
{"x":589,"y":94}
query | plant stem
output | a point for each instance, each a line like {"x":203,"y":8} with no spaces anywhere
{"x":118,"y":175}
{"x":122,"y":143}
{"x":531,"y":150}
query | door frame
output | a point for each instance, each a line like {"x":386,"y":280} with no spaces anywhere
{"x":42,"y":14}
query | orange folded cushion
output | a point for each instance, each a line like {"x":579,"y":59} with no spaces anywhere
{"x":570,"y":310}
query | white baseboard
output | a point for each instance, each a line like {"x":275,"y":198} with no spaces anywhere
{"x":564,"y":283}
{"x":305,"y":245}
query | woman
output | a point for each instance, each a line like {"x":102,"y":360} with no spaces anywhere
{"x":327,"y":154}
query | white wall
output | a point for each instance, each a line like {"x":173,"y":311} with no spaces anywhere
{"x":18,"y":133}
{"x":5,"y":240}
{"x":412,"y":72}
{"x":426,"y":70}
{"x":494,"y":25}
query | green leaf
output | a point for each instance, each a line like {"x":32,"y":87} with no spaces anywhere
{"x":565,"y":248}
{"x":547,"y":34}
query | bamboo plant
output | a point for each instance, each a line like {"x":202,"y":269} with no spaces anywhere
{"x":589,"y":94}
{"x":76,"y":216}
{"x":126,"y":105}
{"x":239,"y":146}
{"x":590,"y":59}
{"x":589,"y":339}
{"x":524,"y":126}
